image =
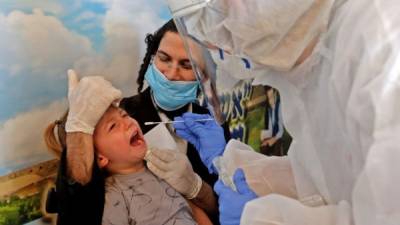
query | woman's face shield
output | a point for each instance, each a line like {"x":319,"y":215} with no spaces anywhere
{"x":205,"y":71}
{"x":214,"y":69}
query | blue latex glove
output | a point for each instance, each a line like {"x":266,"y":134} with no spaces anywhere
{"x":231,"y":203}
{"x":207,"y":136}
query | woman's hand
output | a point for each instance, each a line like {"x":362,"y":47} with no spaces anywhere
{"x":269,"y":141}
{"x":231,"y":203}
{"x":174,"y":167}
{"x":88,"y":99}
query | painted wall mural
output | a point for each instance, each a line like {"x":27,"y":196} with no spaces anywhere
{"x":39,"y":41}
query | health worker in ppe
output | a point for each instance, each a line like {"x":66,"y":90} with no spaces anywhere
{"x":336,"y":65}
{"x":172,"y":90}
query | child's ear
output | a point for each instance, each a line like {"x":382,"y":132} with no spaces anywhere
{"x":102,"y":161}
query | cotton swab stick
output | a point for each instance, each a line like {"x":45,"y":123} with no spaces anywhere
{"x":178,"y":121}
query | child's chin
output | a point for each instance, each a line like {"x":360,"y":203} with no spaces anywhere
{"x":143,"y":150}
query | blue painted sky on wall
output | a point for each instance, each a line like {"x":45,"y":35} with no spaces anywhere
{"x":41,"y":39}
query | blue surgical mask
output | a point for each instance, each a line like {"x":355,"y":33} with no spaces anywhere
{"x":170,"y":95}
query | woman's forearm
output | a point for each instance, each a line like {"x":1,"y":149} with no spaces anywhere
{"x":80,"y":156}
{"x":206,"y":199}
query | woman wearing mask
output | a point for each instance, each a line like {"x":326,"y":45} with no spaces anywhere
{"x":172,"y":91}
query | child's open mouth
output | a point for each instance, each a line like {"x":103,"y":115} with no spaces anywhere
{"x":136,"y":139}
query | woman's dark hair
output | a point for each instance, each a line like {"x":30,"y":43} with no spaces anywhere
{"x":153,"y":41}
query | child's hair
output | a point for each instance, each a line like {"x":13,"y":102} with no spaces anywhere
{"x":53,"y":143}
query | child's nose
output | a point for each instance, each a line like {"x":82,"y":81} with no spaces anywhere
{"x":128,"y":123}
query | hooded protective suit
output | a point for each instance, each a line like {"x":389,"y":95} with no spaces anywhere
{"x":340,"y":105}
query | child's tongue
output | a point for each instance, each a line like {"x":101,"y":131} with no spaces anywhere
{"x":135,"y":140}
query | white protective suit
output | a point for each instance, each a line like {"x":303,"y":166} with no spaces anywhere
{"x":342,"y":108}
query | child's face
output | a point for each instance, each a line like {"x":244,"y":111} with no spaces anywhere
{"x":119,"y":139}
